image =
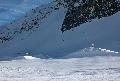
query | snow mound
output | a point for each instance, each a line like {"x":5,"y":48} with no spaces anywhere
{"x":92,"y":51}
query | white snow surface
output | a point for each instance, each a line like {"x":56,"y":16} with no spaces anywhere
{"x":75,"y":69}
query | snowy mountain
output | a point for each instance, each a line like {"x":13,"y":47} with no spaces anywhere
{"x":42,"y":31}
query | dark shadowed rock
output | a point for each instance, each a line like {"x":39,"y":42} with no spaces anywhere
{"x":87,"y":10}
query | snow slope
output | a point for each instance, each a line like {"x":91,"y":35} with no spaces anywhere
{"x":38,"y":33}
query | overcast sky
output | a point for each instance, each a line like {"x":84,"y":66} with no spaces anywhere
{"x":13,"y":9}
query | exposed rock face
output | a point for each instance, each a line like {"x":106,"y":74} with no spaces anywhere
{"x":81,"y":12}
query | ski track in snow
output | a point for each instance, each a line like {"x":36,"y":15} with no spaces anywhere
{"x":102,"y":68}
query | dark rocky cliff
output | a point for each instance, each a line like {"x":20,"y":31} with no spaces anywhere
{"x":81,"y":12}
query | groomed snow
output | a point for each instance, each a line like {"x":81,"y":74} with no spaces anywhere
{"x":102,"y":68}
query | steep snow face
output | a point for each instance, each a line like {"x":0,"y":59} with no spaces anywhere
{"x":34,"y":24}
{"x":28,"y":23}
{"x":38,"y":33}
